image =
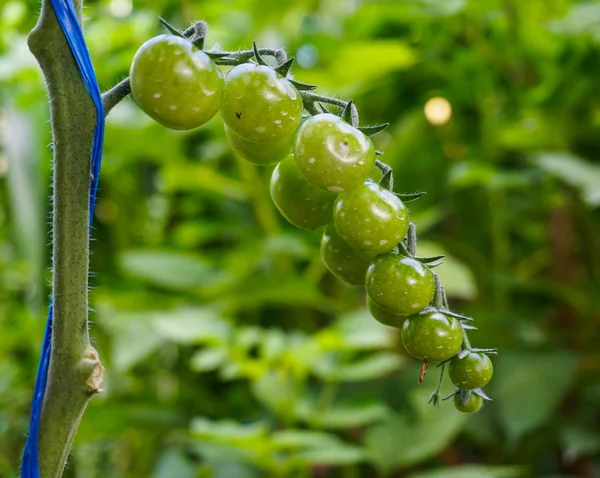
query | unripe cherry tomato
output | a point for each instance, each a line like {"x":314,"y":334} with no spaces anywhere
{"x":261,"y":154}
{"x":432,"y":336}
{"x":399,"y":284}
{"x":259,"y":104}
{"x":471,"y":372}
{"x":344,"y":262}
{"x":474,"y":403}
{"x":298,"y":200}
{"x":175,"y":83}
{"x":371,"y":218}
{"x":332,"y":154}
{"x":383,"y":316}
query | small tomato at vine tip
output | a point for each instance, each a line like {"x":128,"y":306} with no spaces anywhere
{"x":259,"y":104}
{"x":261,"y":154}
{"x":298,"y":200}
{"x":432,"y":336}
{"x":344,"y":262}
{"x":175,"y":83}
{"x":474,"y":403}
{"x":384,"y":316}
{"x":399,"y":284}
{"x":332,"y":154}
{"x":371,"y":218}
{"x":471,"y":372}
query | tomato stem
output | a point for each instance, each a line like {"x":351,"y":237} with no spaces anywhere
{"x":466,"y":344}
{"x":424,"y":367}
{"x":117,"y":93}
{"x":412,"y":239}
{"x":438,"y":294}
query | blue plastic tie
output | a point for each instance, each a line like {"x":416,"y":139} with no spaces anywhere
{"x":67,"y":18}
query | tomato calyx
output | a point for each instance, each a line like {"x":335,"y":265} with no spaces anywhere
{"x":465,"y":394}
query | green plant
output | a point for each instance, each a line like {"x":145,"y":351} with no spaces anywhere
{"x":399,"y":284}
{"x":370,"y":218}
{"x":468,"y":402}
{"x":175,"y":83}
{"x":312,"y":103}
{"x":474,"y":370}
{"x":259,"y":104}
{"x":432,"y":335}
{"x":298,"y":200}
{"x":331,"y":153}
{"x":334,"y":153}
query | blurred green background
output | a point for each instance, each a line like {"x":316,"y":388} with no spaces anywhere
{"x":230,"y":351}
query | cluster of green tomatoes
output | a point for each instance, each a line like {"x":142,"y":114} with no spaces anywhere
{"x":323,"y":178}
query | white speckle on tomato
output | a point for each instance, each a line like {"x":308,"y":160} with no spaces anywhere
{"x":311,"y":160}
{"x":335,"y":189}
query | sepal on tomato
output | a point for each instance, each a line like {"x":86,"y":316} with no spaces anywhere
{"x":171,"y":28}
{"x":409,"y":197}
{"x":257,"y":57}
{"x":284,"y":68}
{"x":373,"y":130}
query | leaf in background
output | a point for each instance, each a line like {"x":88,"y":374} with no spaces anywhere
{"x":371,"y":367}
{"x":343,"y":414}
{"x":134,"y":339}
{"x":582,"y":18}
{"x":578,"y":441}
{"x":272,"y":290}
{"x":277,"y":391}
{"x":457,"y":278}
{"x":191,"y":177}
{"x":402,"y":442}
{"x":527,"y":387}
{"x":474,"y":471}
{"x":227,"y":431}
{"x":350,"y":65}
{"x":208,"y":359}
{"x":291,"y":439}
{"x":191,"y":325}
{"x":18,"y":135}
{"x":171,"y":270}
{"x":356,"y":331}
{"x":338,"y":455}
{"x":575,"y":171}
{"x":173,"y":462}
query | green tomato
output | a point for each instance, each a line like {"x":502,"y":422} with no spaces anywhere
{"x":474,"y":403}
{"x":175,"y":83}
{"x":259,"y":104}
{"x":262,"y":154}
{"x":432,"y":336}
{"x":298,"y":200}
{"x":344,"y":262}
{"x":371,"y":218}
{"x":384,"y":316}
{"x":332,"y":154}
{"x":471,"y":372}
{"x":400,"y":284}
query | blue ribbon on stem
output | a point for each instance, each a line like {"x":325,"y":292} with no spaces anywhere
{"x":67,"y":18}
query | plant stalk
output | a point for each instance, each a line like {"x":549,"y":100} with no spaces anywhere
{"x":75,"y":371}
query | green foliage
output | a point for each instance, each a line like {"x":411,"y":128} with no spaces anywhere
{"x":230,"y":351}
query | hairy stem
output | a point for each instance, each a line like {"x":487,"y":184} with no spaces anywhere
{"x":75,"y":371}
{"x":117,"y":93}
